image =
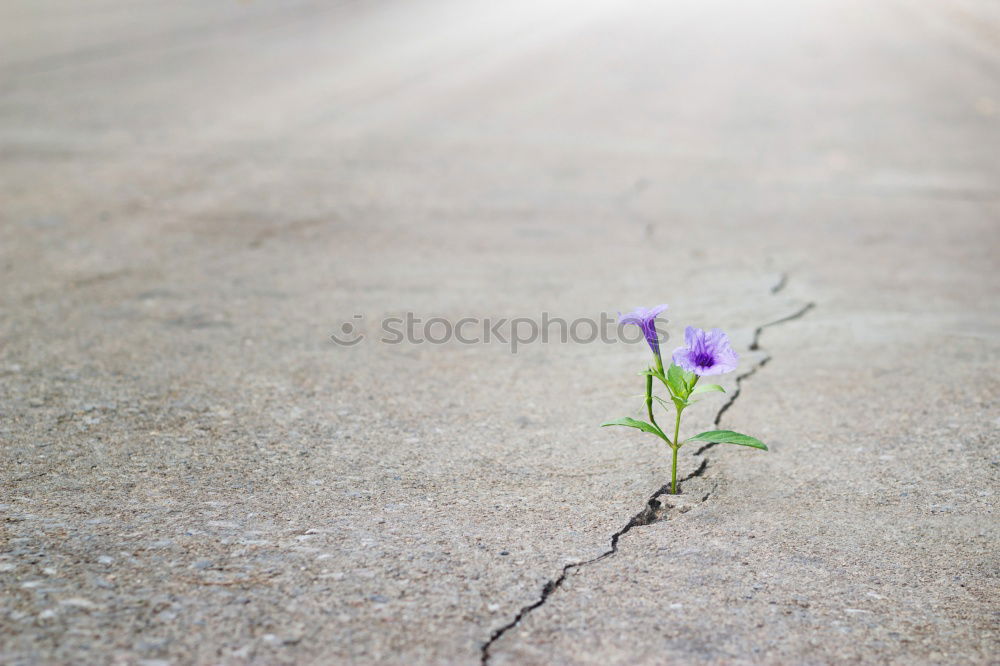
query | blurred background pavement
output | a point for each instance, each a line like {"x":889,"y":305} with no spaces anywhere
{"x":196,"y":195}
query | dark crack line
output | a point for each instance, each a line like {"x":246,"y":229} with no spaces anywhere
{"x":754,"y":346}
{"x":652,"y":513}
{"x":655,"y":507}
{"x":798,"y":314}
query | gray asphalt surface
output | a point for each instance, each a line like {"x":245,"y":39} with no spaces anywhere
{"x":195,"y":196}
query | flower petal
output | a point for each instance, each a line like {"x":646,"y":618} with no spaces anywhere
{"x":682,"y":359}
{"x":690,"y":336}
{"x":706,"y":353}
{"x":634,"y":317}
{"x":655,"y":311}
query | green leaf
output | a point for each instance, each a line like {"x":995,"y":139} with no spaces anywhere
{"x":705,"y":388}
{"x":662,"y":402}
{"x":727,"y":437}
{"x":677,"y":382}
{"x":680,"y":403}
{"x":690,"y":379}
{"x":653,"y":372}
{"x":633,"y":423}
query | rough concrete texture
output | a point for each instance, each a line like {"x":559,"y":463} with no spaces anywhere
{"x":196,"y":195}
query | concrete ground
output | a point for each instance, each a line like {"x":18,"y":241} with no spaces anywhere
{"x":195,"y":196}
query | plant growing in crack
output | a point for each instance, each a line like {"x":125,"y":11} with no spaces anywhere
{"x":704,"y":354}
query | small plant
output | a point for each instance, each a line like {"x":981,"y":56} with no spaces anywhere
{"x":705,"y":353}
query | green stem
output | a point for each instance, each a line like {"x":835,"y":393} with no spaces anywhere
{"x":649,"y":399}
{"x":677,"y":428}
{"x":675,"y":446}
{"x":673,"y":474}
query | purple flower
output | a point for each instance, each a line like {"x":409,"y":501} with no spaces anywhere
{"x":645,"y":318}
{"x":706,"y":353}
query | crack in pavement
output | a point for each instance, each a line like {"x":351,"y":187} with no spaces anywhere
{"x":657,"y":505}
{"x":653,"y":512}
{"x":754,"y":346}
